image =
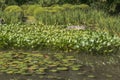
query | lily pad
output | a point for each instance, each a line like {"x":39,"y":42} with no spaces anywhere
{"x":91,"y":76}
{"x":62,"y":68}
{"x":53,"y":70}
{"x":75,"y":67}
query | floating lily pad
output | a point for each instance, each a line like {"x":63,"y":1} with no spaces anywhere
{"x":91,"y":76}
{"x":10,"y":72}
{"x":75,"y":67}
{"x":62,"y":68}
{"x":53,"y":70}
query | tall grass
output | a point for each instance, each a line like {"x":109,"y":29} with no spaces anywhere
{"x":77,"y":15}
{"x":68,"y":14}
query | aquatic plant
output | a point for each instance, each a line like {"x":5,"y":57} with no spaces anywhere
{"x":39,"y":37}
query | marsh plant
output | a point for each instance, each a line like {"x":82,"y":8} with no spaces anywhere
{"x":74,"y":15}
{"x":66,"y":14}
{"x":39,"y":37}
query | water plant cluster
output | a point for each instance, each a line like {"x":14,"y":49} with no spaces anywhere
{"x":40,"y":37}
{"x":36,"y":63}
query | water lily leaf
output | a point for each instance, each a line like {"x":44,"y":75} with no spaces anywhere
{"x":91,"y":76}
{"x":53,"y":70}
{"x":62,"y":68}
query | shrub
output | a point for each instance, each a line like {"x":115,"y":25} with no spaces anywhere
{"x":82,"y":6}
{"x":39,"y":12}
{"x":48,"y":2}
{"x":13,"y":14}
{"x":67,"y":6}
{"x":29,"y":20}
{"x":56,"y":8}
{"x":30,"y":10}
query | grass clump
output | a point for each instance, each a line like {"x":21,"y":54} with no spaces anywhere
{"x":68,"y":14}
{"x":13,"y":14}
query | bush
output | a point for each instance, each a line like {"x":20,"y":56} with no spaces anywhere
{"x":48,"y":2}
{"x":13,"y":14}
{"x":57,"y":8}
{"x":30,"y":9}
{"x":29,"y":20}
{"x":40,"y":12}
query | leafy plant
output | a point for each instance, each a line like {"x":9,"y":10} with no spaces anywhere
{"x":13,"y":14}
{"x":57,"y":38}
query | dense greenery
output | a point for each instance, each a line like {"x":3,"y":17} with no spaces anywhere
{"x":57,"y":38}
{"x":66,"y":14}
{"x":13,"y":14}
{"x":45,"y":25}
{"x":111,"y":5}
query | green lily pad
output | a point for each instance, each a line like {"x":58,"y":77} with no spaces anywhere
{"x":51,"y":77}
{"x":41,"y":77}
{"x":9,"y":72}
{"x":53,"y":70}
{"x":80,"y":73}
{"x":91,"y":76}
{"x":75,"y":67}
{"x":62,"y":68}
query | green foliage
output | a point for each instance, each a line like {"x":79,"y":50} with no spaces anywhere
{"x":68,"y":14}
{"x":1,"y":14}
{"x":48,"y":2}
{"x":19,"y":2}
{"x":56,"y":14}
{"x":2,"y":4}
{"x":57,"y":38}
{"x":109,"y":5}
{"x":30,"y":20}
{"x":13,"y":14}
{"x":30,"y":9}
{"x":10,"y":2}
{"x":112,"y":4}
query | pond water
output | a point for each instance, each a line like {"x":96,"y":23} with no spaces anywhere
{"x":95,"y":67}
{"x":86,"y":73}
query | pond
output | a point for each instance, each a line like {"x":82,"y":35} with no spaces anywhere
{"x":93,"y":67}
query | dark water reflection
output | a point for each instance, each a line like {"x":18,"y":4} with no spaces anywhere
{"x":95,"y":67}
